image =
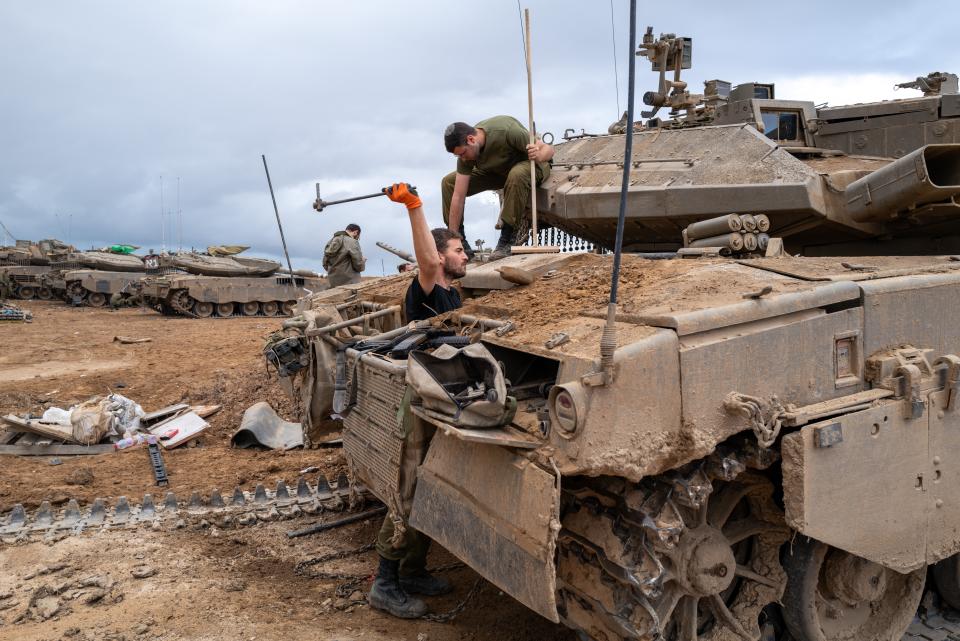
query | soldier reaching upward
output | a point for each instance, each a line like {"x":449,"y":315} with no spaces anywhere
{"x":403,"y":550}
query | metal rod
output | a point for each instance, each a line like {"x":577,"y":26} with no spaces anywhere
{"x":353,"y":322}
{"x":277,"y":212}
{"x":325,"y":203}
{"x":608,"y":341}
{"x":329,"y":525}
{"x":533,"y":134}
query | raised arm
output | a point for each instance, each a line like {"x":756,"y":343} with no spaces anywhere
{"x":424,"y":247}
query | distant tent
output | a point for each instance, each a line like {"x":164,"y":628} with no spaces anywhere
{"x":121,"y":249}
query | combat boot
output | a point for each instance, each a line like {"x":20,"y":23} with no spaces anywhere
{"x":502,"y":250}
{"x":422,"y":582}
{"x":387,"y":595}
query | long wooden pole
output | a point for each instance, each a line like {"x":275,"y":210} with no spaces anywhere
{"x":533,"y":135}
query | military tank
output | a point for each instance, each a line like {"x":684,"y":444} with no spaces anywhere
{"x":26,"y":265}
{"x":93,"y":277}
{"x":202,"y":285}
{"x":762,"y":447}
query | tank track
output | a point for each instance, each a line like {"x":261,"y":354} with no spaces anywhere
{"x":240,"y":509}
{"x":180,"y":303}
{"x":935,"y":627}
{"x":695,"y":547}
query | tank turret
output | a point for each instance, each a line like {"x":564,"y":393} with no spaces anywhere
{"x":871,"y":178}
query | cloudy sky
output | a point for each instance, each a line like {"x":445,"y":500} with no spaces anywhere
{"x":100,"y":99}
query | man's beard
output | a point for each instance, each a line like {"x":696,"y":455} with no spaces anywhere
{"x":454,"y":273}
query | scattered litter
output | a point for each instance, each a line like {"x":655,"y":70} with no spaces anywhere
{"x":310,"y":470}
{"x":260,"y":425}
{"x":126,"y":340}
{"x":55,"y":461}
{"x":10,"y":312}
{"x":178,"y":430}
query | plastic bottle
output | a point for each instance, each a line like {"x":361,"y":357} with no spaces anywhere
{"x":131,"y":440}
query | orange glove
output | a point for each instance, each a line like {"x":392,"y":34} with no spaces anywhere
{"x":403,"y":193}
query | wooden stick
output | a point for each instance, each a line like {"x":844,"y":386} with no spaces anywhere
{"x":533,"y":135}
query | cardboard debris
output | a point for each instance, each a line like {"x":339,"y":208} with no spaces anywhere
{"x":54,"y":431}
{"x":177,"y":430}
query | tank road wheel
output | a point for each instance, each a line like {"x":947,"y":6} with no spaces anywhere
{"x":26,"y":293}
{"x":835,"y":596}
{"x":288,"y":307}
{"x":251,"y":308}
{"x":946,"y":574}
{"x":203,"y":309}
{"x":270,"y":308}
{"x":96,"y":299}
{"x":650,"y":561}
{"x":44,"y":293}
{"x":225,"y":309}
{"x":181,"y":302}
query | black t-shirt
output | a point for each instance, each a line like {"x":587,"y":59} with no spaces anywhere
{"x":420,"y":306}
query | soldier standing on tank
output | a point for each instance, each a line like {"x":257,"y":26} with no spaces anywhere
{"x":342,"y":257}
{"x":403,"y":550}
{"x":494,"y":154}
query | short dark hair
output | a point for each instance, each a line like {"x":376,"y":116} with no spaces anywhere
{"x":442,"y":237}
{"x":353,"y":227}
{"x":456,"y":135}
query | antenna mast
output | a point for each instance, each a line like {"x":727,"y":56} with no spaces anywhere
{"x":163,"y":230}
{"x":179,"y":220}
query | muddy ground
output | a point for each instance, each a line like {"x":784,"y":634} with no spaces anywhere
{"x":203,"y":582}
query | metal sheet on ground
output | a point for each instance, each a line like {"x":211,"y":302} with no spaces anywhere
{"x":497,"y":512}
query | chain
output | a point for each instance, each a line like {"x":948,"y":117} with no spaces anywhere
{"x":764,"y":416}
{"x":350,"y":582}
{"x":449,"y":615}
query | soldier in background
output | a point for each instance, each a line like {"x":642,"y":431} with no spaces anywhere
{"x":342,"y":258}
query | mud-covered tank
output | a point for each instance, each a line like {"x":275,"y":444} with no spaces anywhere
{"x":205,"y":296}
{"x":96,"y":287}
{"x":772,"y":449}
{"x":27,"y":265}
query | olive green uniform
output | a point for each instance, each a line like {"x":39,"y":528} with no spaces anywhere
{"x":343,"y":260}
{"x":412,"y":547}
{"x":502,"y":164}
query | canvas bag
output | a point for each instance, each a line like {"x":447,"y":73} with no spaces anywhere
{"x":441,"y":378}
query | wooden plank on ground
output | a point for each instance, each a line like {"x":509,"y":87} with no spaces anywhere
{"x":49,"y":430}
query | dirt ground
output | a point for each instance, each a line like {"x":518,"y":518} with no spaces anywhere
{"x":204,"y":582}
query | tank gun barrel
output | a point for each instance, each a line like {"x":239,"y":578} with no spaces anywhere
{"x":928,"y":175}
{"x":397,"y":252}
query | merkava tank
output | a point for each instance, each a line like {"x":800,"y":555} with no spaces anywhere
{"x":204,"y":285}
{"x":26,"y":266}
{"x":93,"y":277}
{"x":753,"y":447}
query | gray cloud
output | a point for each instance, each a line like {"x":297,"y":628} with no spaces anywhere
{"x":102,"y":98}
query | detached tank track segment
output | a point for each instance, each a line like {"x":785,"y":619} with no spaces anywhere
{"x":690,"y":555}
{"x":239,"y":509}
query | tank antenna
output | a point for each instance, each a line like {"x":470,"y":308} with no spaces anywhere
{"x":277,"y":212}
{"x":163,"y":230}
{"x":608,"y":340}
{"x":616,"y":74}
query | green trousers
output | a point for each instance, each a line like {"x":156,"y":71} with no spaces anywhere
{"x":412,"y":548}
{"x":515,"y":186}
{"x":411,"y":552}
